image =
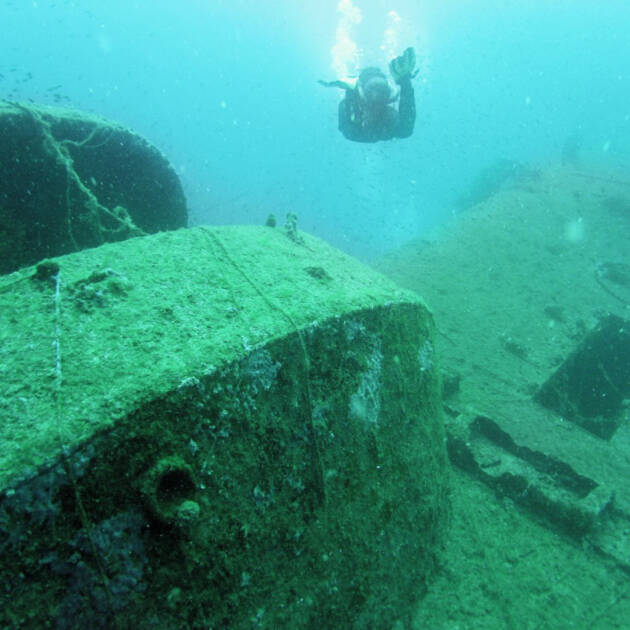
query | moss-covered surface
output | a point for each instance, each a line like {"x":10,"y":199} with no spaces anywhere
{"x":516,"y":284}
{"x":133,"y":320}
{"x":225,"y":438}
{"x":501,"y":570}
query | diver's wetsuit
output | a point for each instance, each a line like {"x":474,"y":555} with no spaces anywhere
{"x":354,"y":124}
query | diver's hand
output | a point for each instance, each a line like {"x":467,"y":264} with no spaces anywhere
{"x":403,"y":68}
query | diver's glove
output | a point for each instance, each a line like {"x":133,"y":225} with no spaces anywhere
{"x":404,"y":67}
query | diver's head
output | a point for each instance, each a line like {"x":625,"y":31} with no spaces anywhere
{"x":374,"y":87}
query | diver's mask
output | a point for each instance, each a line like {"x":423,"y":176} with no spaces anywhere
{"x":374,"y":88}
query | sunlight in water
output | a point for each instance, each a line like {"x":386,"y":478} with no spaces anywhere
{"x":348,"y":57}
{"x":345,"y":52}
{"x":391,"y":35}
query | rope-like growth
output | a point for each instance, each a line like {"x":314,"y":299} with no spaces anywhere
{"x":58,"y":150}
{"x":58,"y":374}
{"x":316,"y":454}
{"x":65,"y":451}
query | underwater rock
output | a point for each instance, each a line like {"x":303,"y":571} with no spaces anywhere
{"x":71,"y":180}
{"x":230,"y":441}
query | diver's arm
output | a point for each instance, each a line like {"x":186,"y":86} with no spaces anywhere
{"x":344,"y":85}
{"x":406,"y":109}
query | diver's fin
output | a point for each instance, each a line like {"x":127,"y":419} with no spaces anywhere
{"x":403,"y":67}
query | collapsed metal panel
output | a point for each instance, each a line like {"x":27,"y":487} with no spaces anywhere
{"x":592,"y":386}
{"x":549,"y":487}
{"x":204,"y":432}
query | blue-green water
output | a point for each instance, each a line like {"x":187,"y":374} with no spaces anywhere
{"x":227,"y":90}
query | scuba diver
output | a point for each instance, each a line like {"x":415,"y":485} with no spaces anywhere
{"x":368,"y":112}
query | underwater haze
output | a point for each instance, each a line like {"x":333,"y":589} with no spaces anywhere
{"x":228,"y":91}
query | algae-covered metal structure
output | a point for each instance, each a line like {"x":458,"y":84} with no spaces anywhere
{"x":71,"y":180}
{"x":234,"y":427}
